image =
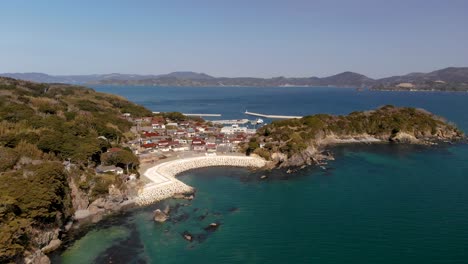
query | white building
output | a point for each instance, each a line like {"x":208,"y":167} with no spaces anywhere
{"x":233,"y":129}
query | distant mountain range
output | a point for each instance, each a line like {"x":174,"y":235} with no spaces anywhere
{"x":453,"y":78}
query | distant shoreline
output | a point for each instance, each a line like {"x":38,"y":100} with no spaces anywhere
{"x":259,"y":87}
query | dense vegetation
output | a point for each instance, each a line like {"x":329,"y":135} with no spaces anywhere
{"x":51,"y":135}
{"x":179,"y":117}
{"x":293,"y":136}
{"x":425,"y":86}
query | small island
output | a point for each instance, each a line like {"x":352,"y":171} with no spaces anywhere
{"x":305,"y":141}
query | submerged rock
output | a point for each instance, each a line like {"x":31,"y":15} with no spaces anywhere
{"x":159,"y":216}
{"x":167,"y":209}
{"x":263,"y":177}
{"x":180,"y":218}
{"x":202,"y":217}
{"x":183,"y":196}
{"x":187,"y":236}
{"x":212,"y":227}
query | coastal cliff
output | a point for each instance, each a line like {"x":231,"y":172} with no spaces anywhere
{"x":306,"y":141}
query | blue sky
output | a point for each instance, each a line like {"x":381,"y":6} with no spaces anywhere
{"x":233,"y":38}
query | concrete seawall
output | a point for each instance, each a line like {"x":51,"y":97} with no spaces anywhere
{"x":164,"y":184}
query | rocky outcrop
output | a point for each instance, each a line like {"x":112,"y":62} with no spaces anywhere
{"x":36,"y":257}
{"x":43,"y":241}
{"x":80,"y":200}
{"x":159,"y":216}
{"x":41,"y":238}
{"x":402,"y":137}
{"x":53,"y":245}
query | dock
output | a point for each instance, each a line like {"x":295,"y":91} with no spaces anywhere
{"x":189,"y":114}
{"x":272,"y":116}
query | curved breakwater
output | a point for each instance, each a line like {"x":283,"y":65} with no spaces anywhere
{"x":165,"y":185}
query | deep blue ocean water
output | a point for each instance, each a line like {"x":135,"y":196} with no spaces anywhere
{"x":374,"y":204}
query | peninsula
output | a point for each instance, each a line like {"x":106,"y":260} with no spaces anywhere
{"x":305,"y":141}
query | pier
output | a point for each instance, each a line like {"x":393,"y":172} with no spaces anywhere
{"x":188,"y":114}
{"x":272,"y":116}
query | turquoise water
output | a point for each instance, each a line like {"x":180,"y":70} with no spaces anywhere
{"x":374,"y":204}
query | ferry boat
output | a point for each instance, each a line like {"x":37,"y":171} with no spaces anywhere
{"x":257,"y":122}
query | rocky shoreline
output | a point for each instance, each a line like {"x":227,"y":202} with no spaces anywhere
{"x":163,"y":185}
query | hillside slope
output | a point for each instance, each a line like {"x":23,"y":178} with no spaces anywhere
{"x":51,"y":139}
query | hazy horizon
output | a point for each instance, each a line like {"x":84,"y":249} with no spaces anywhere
{"x":237,"y":39}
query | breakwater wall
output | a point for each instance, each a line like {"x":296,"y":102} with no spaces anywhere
{"x":272,"y":116}
{"x":164,"y":184}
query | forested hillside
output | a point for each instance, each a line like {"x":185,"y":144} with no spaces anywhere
{"x":52,"y":136}
{"x":295,"y":142}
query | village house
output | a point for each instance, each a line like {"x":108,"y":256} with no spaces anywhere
{"x":181,"y":141}
{"x":163,"y":143}
{"x":210,"y":147}
{"x":198,"y":144}
{"x":158,"y":126}
{"x":184,"y":123}
{"x":149,"y":145}
{"x":143,"y":119}
{"x":229,"y":130}
{"x":180,"y":132}
{"x":105,"y":169}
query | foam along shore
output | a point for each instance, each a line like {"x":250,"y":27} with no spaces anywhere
{"x":164,"y":184}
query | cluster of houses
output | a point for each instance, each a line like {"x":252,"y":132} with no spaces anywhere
{"x":160,"y":135}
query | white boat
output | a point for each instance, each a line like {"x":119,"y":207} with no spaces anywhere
{"x":257,"y":121}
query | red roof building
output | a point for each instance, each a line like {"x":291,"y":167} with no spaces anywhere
{"x":149,"y":145}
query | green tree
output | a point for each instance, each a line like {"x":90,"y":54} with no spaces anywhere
{"x":123,"y":158}
{"x":8,"y":158}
